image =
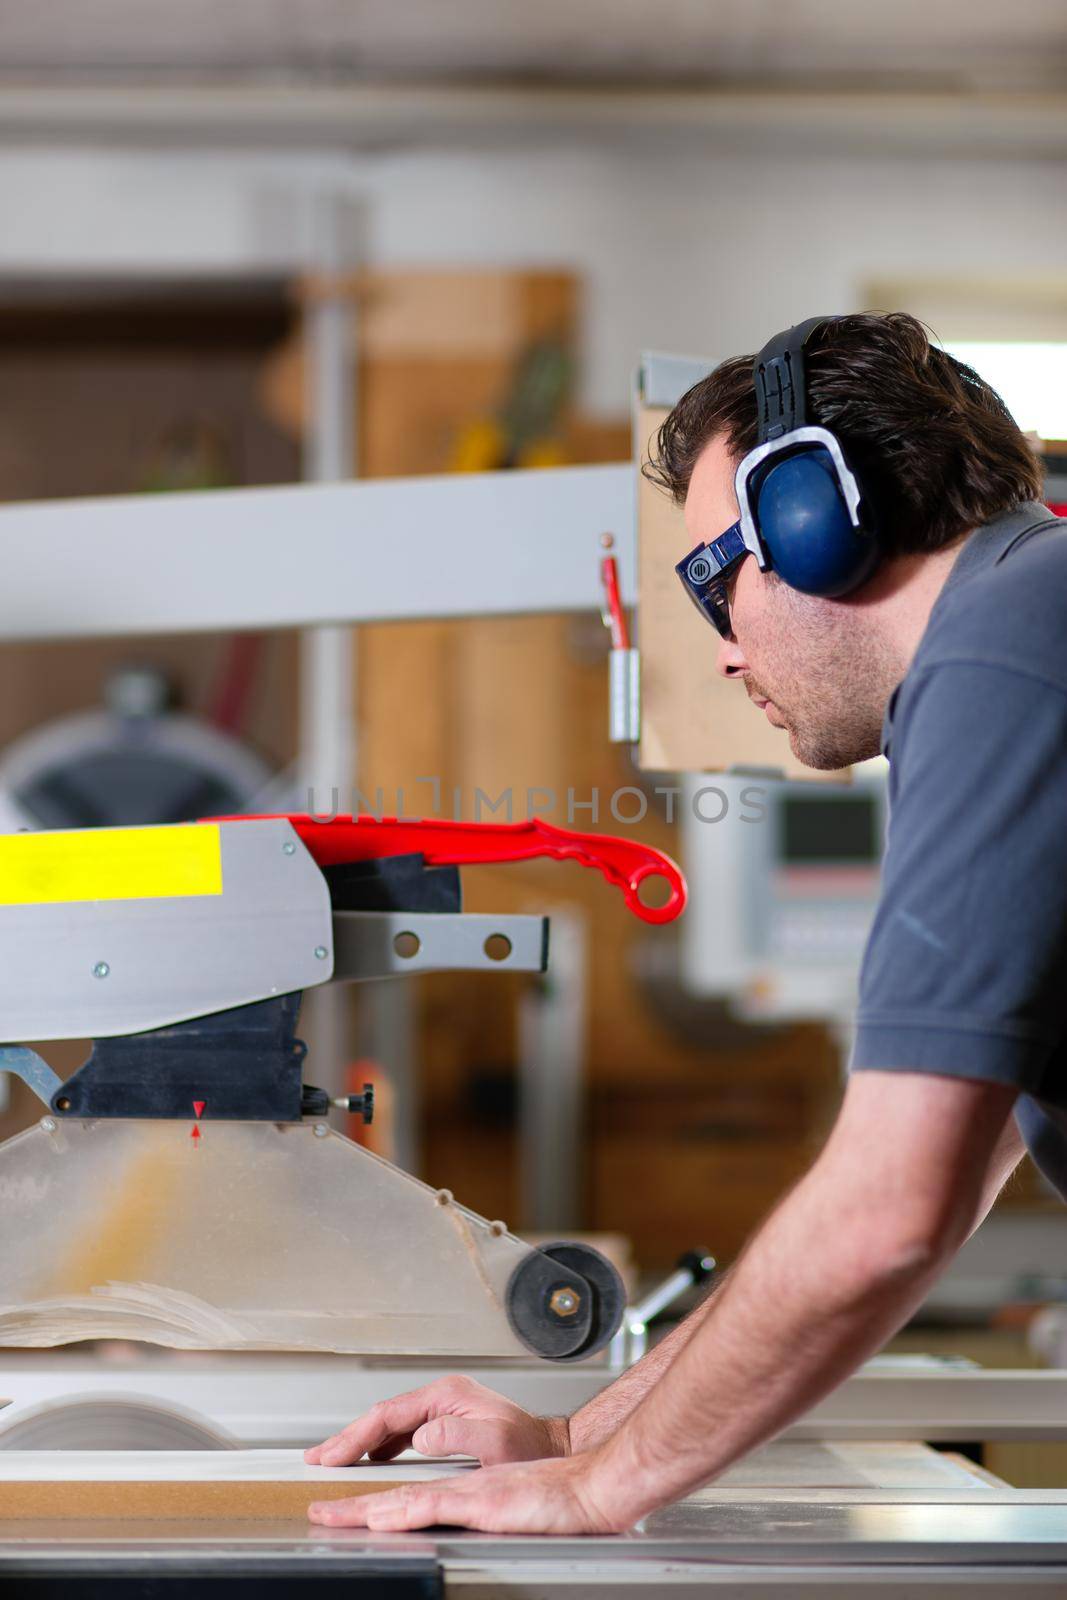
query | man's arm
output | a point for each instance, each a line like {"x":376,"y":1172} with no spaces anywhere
{"x":1007,"y":1153}
{"x":910,"y":1168}
{"x":837,"y":1269}
{"x":456,"y":1415}
{"x":599,"y":1418}
{"x":459,"y":1416}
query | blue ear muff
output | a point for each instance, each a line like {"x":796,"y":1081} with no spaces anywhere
{"x":805,"y":526}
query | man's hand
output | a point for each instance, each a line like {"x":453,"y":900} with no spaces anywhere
{"x":451,"y":1417}
{"x":535,"y":1497}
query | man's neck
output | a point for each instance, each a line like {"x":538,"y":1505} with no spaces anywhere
{"x":903,"y":593}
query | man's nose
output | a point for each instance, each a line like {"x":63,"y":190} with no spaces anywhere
{"x":730,"y":660}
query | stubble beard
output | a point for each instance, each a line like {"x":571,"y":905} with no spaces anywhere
{"x":829,"y":747}
{"x":834,"y":698}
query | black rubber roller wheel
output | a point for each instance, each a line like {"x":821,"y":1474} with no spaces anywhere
{"x":565,"y":1301}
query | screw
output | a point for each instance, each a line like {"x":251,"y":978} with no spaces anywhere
{"x":321,"y":952}
{"x":101,"y":969}
{"x":48,"y":1124}
{"x":289,"y":847}
{"x":564,"y":1302}
{"x":443,"y":1197}
{"x":321,"y":1130}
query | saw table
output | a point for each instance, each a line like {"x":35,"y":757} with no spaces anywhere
{"x":796,"y":1518}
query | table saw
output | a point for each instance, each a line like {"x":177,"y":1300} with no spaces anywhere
{"x":184,"y":1190}
{"x":185,"y":1187}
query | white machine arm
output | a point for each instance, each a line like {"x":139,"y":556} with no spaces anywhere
{"x":467,"y":544}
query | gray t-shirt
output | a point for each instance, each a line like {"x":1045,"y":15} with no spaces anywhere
{"x":965,"y":970}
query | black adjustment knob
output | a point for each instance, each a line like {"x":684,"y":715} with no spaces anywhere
{"x":358,"y":1105}
{"x":362,"y":1105}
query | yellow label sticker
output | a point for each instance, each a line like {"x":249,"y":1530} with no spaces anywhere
{"x":110,"y":864}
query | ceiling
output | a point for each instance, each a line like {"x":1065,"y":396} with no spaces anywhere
{"x":914,"y":76}
{"x":917,"y":44}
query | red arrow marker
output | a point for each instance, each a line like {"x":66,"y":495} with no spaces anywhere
{"x":195,"y":1134}
{"x":198,"y":1107}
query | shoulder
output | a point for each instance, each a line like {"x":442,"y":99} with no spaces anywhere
{"x":1011,"y":614}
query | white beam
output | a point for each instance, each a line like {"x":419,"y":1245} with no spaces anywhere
{"x":497,"y":543}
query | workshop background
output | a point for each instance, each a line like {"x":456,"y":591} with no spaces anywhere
{"x":477,"y":226}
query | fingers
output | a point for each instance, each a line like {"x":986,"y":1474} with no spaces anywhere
{"x":420,"y":1506}
{"x":391,"y":1448}
{"x":329,"y":1453}
{"x":390,"y":1421}
{"x":408,"y":1506}
{"x":341,"y":1513}
{"x":372,"y":1432}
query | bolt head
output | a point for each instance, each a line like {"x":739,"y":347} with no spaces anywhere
{"x":321,"y":1130}
{"x":289,"y":848}
{"x":321,"y":952}
{"x":48,"y":1124}
{"x":565,"y":1302}
{"x":101,"y":969}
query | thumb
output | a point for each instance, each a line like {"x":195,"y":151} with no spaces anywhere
{"x":461,"y":1436}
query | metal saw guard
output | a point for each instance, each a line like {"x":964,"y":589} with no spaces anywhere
{"x":266,"y":1236}
{"x":262,"y":1231}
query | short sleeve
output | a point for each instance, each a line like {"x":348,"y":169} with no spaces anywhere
{"x":965,"y":970}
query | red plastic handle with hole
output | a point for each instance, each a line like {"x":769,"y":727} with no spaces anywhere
{"x":624,"y":862}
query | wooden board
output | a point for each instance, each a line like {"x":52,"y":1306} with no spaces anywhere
{"x":157,"y":1485}
{"x":257,"y":1485}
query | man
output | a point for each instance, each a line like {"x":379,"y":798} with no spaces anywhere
{"x":944,"y":641}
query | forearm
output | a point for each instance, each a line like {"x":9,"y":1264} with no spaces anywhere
{"x":602,"y":1416}
{"x":813,"y":1297}
{"x":599,"y":1418}
{"x":911,"y":1165}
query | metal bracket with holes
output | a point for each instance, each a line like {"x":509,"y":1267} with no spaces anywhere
{"x":384,"y":944}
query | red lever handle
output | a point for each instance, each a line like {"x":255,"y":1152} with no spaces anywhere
{"x":624,"y":862}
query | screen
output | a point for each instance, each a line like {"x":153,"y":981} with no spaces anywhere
{"x":824,"y":828}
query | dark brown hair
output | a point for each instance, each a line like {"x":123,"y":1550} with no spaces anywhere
{"x":933,"y":445}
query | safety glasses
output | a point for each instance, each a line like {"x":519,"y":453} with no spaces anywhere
{"x":706,"y":572}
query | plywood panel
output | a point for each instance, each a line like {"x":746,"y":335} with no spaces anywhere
{"x":257,"y":1485}
{"x":244,"y":1484}
{"x":692,"y":720}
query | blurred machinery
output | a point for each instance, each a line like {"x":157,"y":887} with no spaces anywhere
{"x":785,"y":882}
{"x":134,"y":761}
